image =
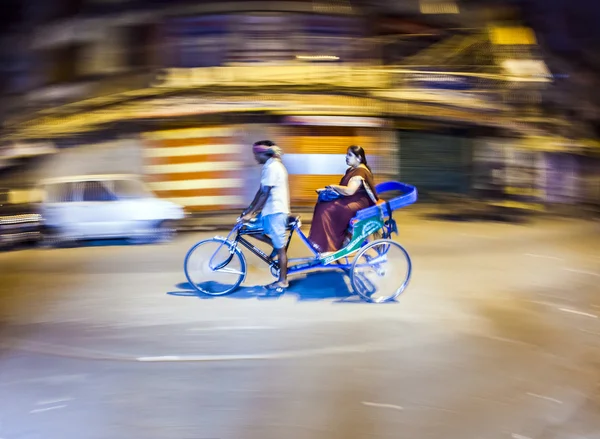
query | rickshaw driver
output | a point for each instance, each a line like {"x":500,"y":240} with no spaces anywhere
{"x":272,"y":201}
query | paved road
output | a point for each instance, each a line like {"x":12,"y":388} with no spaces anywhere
{"x":496,"y":337}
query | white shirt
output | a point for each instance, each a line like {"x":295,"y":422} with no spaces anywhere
{"x":275,"y":175}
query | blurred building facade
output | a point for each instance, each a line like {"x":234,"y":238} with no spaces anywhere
{"x":451,"y":108}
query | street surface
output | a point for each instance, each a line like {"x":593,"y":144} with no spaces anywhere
{"x":497,"y":336}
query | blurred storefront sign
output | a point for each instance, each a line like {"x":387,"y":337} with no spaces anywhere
{"x":440,"y":81}
{"x":479,"y":101}
{"x":524,"y":69}
{"x":288,"y":104}
{"x":284,"y":75}
{"x":527,"y":71}
{"x":59,"y":93}
{"x":444,"y":105}
{"x":170,"y":107}
{"x":341,"y":75}
{"x":342,"y":121}
{"x":280,"y":104}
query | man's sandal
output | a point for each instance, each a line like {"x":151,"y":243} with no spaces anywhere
{"x":277,"y":287}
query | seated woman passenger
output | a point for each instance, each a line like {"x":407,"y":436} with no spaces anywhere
{"x":331,"y":218}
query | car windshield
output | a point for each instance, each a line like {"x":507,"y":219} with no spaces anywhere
{"x":128,"y":189}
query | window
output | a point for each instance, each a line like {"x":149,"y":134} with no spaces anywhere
{"x":63,"y":64}
{"x":96,"y":191}
{"x":264,"y":38}
{"x":339,"y":37}
{"x":198,"y":41}
{"x":140,"y":45}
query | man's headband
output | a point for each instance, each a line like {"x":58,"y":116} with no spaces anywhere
{"x":260,"y":149}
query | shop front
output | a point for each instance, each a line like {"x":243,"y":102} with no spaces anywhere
{"x":436,"y":163}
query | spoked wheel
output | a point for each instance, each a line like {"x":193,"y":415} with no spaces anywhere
{"x":381,"y":271}
{"x":215,"y":267}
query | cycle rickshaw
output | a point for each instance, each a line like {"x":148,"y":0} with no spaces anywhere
{"x":379,"y":272}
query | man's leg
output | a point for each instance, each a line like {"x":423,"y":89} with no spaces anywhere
{"x":276,"y":227}
{"x":264,"y":237}
{"x":267,"y":240}
{"x":283,"y":268}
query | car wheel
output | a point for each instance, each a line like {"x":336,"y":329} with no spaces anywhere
{"x":49,"y":240}
{"x":142,"y":235}
{"x":53,"y":241}
{"x":165,"y":232}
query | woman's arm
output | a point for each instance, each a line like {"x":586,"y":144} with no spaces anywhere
{"x":353,"y":186}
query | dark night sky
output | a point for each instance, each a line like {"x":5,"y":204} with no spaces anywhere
{"x":10,"y":12}
{"x":569,"y":24}
{"x":581,"y":18}
{"x":568,"y":27}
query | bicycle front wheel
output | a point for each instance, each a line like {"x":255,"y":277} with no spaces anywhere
{"x":215,"y":267}
{"x":381,"y":271}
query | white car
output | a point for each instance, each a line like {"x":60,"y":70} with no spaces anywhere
{"x":105,"y":207}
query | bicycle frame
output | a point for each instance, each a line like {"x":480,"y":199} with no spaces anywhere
{"x":303,"y":264}
{"x":362,"y":231}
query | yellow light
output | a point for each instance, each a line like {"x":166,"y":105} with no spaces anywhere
{"x":512,"y":35}
{"x":318,"y":57}
{"x":438,"y":8}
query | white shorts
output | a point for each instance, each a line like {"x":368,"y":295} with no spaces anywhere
{"x":275,"y":226}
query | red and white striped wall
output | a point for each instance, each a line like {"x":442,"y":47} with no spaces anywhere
{"x":198,"y":168}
